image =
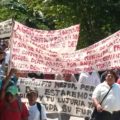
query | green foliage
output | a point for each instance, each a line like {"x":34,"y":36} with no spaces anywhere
{"x":97,"y":18}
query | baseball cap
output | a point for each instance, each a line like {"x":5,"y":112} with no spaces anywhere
{"x":12,"y":89}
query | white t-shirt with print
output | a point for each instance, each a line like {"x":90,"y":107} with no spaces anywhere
{"x":34,"y":113}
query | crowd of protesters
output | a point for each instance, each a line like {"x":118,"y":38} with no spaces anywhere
{"x":11,"y":107}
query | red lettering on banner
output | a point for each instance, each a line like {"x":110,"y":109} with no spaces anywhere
{"x":40,"y":61}
{"x":100,"y":66}
{"x":118,"y":55}
{"x":110,"y":45}
{"x":71,"y":43}
{"x":34,"y":68}
{"x":77,"y":28}
{"x":16,"y":35}
{"x":22,"y":45}
{"x":53,"y":45}
{"x":14,"y":42}
{"x":54,"y":64}
{"x":106,"y":58}
{"x":37,"y":61}
{"x":16,"y":50}
{"x":19,"y":57}
{"x":71,"y":64}
{"x":47,"y":58}
{"x":105,"y":51}
{"x":75,"y":36}
{"x":19,"y":65}
{"x":25,"y":30}
{"x":116,"y":47}
{"x":31,"y":48}
{"x":93,"y":57}
{"x":29,"y":53}
{"x":102,"y":47}
{"x":33,"y":60}
{"x":18,"y":27}
{"x":39,"y":51}
{"x":90,"y":52}
{"x":82,"y":63}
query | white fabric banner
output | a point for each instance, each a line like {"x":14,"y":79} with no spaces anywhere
{"x":5,"y":28}
{"x":27,"y":55}
{"x":63,"y":40}
{"x":59,"y":96}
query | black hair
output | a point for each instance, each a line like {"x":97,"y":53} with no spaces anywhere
{"x":113,"y":72}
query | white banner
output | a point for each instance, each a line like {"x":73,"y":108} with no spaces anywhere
{"x":63,"y":40}
{"x":27,"y":55}
{"x":59,"y":96}
{"x":5,"y":28}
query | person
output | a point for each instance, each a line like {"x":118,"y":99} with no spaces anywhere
{"x":37,"y":110}
{"x":89,"y":78}
{"x":2,"y":55}
{"x":109,"y":109}
{"x":11,"y":108}
{"x":66,"y":77}
{"x":49,"y":76}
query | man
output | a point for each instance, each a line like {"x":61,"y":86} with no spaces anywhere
{"x":10,"y":108}
{"x":110,"y":107}
{"x":35,"y":112}
{"x":66,"y":77}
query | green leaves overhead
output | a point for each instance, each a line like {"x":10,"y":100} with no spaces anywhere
{"x":97,"y":18}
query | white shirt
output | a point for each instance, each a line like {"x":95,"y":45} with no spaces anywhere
{"x":34,"y":113}
{"x":91,"y":79}
{"x":112,"y":101}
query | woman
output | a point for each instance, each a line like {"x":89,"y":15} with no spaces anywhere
{"x":110,"y":107}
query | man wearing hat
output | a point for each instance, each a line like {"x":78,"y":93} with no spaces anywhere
{"x":10,"y":108}
{"x":36,"y":110}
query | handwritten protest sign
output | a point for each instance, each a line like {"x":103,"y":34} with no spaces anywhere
{"x":27,"y":55}
{"x":5,"y":28}
{"x":60,"y":96}
{"x":62,"y":40}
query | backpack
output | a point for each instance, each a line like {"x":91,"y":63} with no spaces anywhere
{"x":39,"y":108}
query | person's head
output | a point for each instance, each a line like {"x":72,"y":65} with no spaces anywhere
{"x":32,"y":96}
{"x":111,"y":77}
{"x":67,"y":77}
{"x":11,"y":93}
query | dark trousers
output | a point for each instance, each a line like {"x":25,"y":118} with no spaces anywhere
{"x":109,"y":116}
{"x":64,"y":116}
